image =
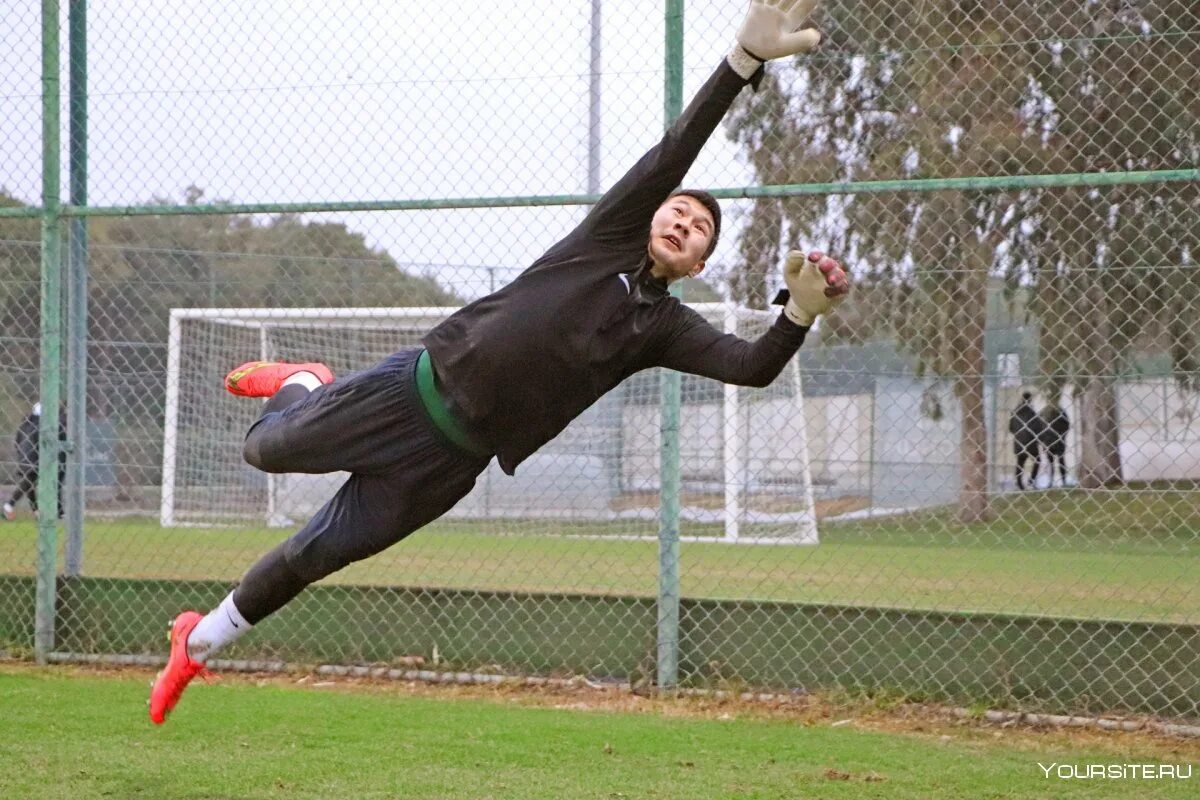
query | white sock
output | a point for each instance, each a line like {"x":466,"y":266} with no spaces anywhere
{"x":221,"y":626}
{"x":306,"y":379}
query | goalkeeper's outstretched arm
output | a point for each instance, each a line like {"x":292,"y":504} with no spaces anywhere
{"x":816,"y":284}
{"x":769,"y":31}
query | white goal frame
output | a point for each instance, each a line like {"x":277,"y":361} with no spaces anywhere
{"x":387,"y":317}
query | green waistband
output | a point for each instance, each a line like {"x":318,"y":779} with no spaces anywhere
{"x":439,"y":409}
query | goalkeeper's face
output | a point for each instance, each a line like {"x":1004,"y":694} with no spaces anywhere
{"x":680,"y":233}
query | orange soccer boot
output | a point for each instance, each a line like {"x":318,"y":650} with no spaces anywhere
{"x":263,"y":378}
{"x":180,"y":669}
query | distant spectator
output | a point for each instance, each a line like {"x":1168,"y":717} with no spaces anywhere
{"x":1026,"y":428}
{"x":26,"y":445}
{"x":1055,"y":425}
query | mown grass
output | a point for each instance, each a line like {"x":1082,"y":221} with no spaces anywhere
{"x":1124,"y":555}
{"x":71,"y":734}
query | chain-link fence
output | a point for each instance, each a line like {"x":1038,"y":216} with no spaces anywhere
{"x":977,"y":481}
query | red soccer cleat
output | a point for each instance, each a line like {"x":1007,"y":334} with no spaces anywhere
{"x":180,"y":669}
{"x":263,"y":378}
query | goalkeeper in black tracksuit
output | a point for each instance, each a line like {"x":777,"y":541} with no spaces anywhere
{"x":505,"y":374}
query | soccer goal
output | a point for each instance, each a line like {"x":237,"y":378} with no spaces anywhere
{"x":743,"y":452}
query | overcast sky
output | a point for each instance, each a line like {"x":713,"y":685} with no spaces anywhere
{"x":296,"y":101}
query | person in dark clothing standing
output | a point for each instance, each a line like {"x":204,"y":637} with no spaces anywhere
{"x":25,"y":446}
{"x":1026,"y":428}
{"x":506,"y":373}
{"x":1055,"y":426}
{"x":25,"y":443}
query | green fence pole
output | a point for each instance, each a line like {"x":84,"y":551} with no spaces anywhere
{"x":77,"y":305}
{"x":668,"y":534}
{"x":980,"y":183}
{"x":47,"y":486}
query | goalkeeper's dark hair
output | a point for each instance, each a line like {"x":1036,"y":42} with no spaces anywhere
{"x":709,"y":202}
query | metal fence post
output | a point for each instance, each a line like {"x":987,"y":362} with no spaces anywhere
{"x":77,"y":293}
{"x":668,"y":535}
{"x":51,"y":335}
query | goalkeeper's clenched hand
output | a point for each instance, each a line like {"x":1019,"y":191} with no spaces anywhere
{"x":816,"y":284}
{"x":771,"y":30}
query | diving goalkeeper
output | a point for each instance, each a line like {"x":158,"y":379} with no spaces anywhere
{"x":505,"y":374}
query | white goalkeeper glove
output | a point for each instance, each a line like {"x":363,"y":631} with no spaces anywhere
{"x":771,"y":30}
{"x":816,"y":284}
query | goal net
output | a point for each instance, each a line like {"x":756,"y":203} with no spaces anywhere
{"x":744,"y":469}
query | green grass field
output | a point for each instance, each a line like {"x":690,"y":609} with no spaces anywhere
{"x":1121,"y":555}
{"x":80,"y":735}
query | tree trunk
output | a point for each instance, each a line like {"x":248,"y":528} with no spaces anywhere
{"x":971,"y":366}
{"x":1100,"y":441}
{"x":759,"y":255}
{"x":972,"y":495}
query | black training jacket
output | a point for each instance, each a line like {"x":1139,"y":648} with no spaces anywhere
{"x":26,"y":441}
{"x":521,"y":363}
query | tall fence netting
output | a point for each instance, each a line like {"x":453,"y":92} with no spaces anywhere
{"x":977,"y":480}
